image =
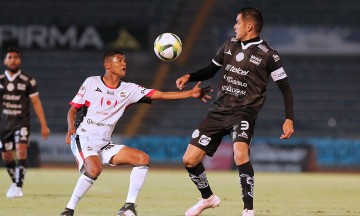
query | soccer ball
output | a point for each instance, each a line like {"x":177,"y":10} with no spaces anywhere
{"x":168,"y":46}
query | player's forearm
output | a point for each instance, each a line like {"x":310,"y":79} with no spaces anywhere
{"x":39,"y":111}
{"x":71,"y":118}
{"x":171,"y":95}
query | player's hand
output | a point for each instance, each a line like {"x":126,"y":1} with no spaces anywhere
{"x":202,"y":93}
{"x":181,"y":82}
{"x":288,"y":129}
{"x":45,"y":131}
{"x":70,"y":132}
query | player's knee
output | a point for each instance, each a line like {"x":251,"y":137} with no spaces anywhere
{"x":144,"y":159}
{"x":241,"y":157}
{"x":189,"y":161}
{"x":94,"y":171}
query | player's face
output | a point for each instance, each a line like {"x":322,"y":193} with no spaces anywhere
{"x":240,"y":28}
{"x":118,"y":65}
{"x":12,"y":62}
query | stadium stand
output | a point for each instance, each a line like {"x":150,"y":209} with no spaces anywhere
{"x":325,"y":87}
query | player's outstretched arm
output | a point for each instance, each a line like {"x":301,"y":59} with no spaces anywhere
{"x":288,"y":129}
{"x":195,"y":92}
{"x":71,"y":124}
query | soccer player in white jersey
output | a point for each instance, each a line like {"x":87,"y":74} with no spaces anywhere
{"x":104,"y":99}
{"x":247,"y":62}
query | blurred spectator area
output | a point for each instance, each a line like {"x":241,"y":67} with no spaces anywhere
{"x":325,"y":87}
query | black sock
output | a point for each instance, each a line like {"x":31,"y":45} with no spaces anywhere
{"x":11,"y":169}
{"x":198,"y":176}
{"x":246,"y":173}
{"x":21,"y":169}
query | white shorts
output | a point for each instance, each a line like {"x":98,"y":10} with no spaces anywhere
{"x":85,"y":146}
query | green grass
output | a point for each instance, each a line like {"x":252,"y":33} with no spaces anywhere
{"x":170,"y":192}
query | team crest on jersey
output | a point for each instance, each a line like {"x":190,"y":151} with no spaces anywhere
{"x":239,"y":57}
{"x":10,"y":87}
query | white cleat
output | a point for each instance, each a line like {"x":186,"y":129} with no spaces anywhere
{"x":211,"y":202}
{"x":11,"y":190}
{"x":14,"y":191}
{"x":246,"y":212}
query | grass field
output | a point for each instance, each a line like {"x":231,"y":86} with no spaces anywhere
{"x":170,"y":192}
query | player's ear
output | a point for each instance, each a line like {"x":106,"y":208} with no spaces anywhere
{"x":106,"y":65}
{"x":250,"y":26}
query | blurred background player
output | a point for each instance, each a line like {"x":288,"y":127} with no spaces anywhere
{"x":104,"y":99}
{"x":247,"y":62}
{"x":17,"y":90}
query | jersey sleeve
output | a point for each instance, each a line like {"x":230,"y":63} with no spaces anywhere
{"x":80,"y":98}
{"x":32,"y":89}
{"x":141,"y":94}
{"x":219,"y":57}
{"x":275,"y":68}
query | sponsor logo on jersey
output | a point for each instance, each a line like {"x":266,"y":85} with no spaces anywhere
{"x":122,"y":94}
{"x":276,"y":58}
{"x":239,"y":57}
{"x":255,"y":60}
{"x":263,"y":48}
{"x":230,"y":79}
{"x":228,"y":52}
{"x":32,"y":82}
{"x":110,"y":93}
{"x":204,"y":140}
{"x":234,"y":39}
{"x":278,"y":74}
{"x":233,"y":91}
{"x":11,"y":97}
{"x":98,"y":90}
{"x":99,"y":124}
{"x":21,"y":86}
{"x":236,"y":70}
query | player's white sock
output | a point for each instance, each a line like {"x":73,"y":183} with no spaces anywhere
{"x":137,"y":178}
{"x":82,"y":186}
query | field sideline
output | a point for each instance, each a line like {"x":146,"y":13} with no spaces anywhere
{"x":169,"y":192}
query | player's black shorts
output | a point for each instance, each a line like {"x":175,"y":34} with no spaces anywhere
{"x":215,"y":126}
{"x":10,"y":138}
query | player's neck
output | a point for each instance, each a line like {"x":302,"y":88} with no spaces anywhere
{"x":111,"y":80}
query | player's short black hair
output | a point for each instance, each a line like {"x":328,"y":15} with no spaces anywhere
{"x":111,"y":53}
{"x":11,"y":49}
{"x":255,"y":15}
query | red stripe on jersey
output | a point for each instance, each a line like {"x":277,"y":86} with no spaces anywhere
{"x":87,"y":103}
{"x":150,"y":93}
{"x":101,"y":101}
{"x":77,"y":106}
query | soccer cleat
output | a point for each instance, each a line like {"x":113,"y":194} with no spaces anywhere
{"x":14,"y":191}
{"x":128,"y":210}
{"x":67,"y":212}
{"x":11,"y":190}
{"x":211,"y":202}
{"x":246,"y":212}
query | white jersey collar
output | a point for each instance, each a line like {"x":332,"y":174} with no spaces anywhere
{"x":12,"y":78}
{"x":250,"y":44}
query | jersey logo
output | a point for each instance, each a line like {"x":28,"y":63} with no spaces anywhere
{"x":239,"y":57}
{"x":98,"y":90}
{"x":228,"y":52}
{"x":10,"y":87}
{"x":255,"y":60}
